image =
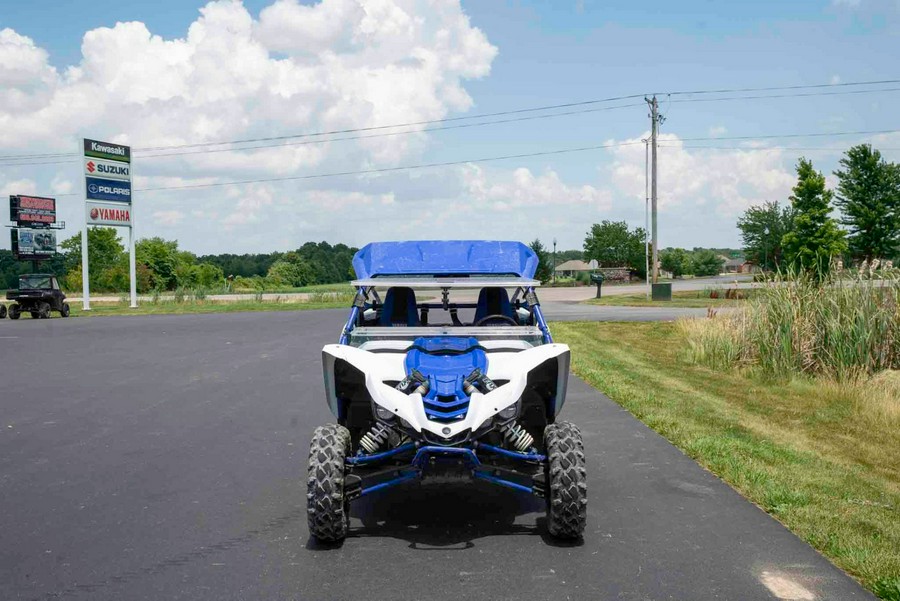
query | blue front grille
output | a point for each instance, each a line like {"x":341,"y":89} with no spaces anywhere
{"x":446,"y":361}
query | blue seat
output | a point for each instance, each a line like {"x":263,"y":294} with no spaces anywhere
{"x":399,"y":308}
{"x":493,"y":301}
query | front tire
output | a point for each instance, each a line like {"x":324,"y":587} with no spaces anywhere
{"x":566,"y":481}
{"x":328,"y":511}
{"x":44,"y":311}
{"x":2,"y":311}
{"x":65,"y":310}
{"x":15,"y":311}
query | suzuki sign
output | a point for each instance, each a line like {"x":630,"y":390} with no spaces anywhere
{"x":107,"y":169}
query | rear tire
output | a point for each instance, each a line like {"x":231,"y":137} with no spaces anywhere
{"x":566,"y":481}
{"x":2,"y":311}
{"x":35,"y":315}
{"x":14,"y":311}
{"x":64,"y":310}
{"x":44,"y":310}
{"x":328,"y":511}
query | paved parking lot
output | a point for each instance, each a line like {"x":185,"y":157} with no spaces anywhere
{"x":163,"y":457}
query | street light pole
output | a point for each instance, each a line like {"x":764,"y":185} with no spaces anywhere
{"x":554,"y":261}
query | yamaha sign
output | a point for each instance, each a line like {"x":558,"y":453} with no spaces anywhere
{"x":104,"y":214}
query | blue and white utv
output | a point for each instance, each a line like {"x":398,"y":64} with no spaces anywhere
{"x":446,"y":365}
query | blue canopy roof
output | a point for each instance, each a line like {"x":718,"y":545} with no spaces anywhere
{"x":445,"y":258}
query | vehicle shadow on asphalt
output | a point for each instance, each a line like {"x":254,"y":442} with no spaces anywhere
{"x":447,"y":516}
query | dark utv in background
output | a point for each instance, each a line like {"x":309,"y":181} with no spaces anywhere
{"x":38,"y":294}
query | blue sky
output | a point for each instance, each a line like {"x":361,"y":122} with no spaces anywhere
{"x":543,"y":53}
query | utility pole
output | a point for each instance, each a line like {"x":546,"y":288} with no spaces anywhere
{"x":646,"y":142}
{"x":655,"y":120}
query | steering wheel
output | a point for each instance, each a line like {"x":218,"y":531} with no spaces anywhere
{"x":498,"y":316}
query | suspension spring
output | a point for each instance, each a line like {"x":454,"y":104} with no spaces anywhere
{"x":517,"y":436}
{"x":375,"y":438}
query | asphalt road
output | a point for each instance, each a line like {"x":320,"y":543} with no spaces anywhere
{"x":163,"y":457}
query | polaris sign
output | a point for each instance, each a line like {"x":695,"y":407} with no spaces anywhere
{"x":107,"y":169}
{"x":108,"y":190}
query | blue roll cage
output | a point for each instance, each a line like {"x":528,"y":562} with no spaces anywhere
{"x":445,"y":258}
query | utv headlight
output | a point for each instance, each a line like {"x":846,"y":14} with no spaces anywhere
{"x":383,"y":414}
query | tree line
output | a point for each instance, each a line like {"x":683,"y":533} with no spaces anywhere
{"x":161,"y":265}
{"x":803,"y":235}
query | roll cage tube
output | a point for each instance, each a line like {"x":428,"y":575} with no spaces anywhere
{"x":530,"y":297}
{"x":358,"y":303}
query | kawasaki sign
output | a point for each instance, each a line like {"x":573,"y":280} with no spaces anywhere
{"x":106,"y":150}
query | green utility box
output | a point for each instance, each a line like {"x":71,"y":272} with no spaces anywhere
{"x":661,"y":292}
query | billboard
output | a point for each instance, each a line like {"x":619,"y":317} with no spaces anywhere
{"x":33,"y":244}
{"x":109,"y":190}
{"x":102,"y":214}
{"x":27,"y":210}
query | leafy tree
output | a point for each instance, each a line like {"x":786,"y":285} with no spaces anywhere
{"x":545,"y":261}
{"x":162,"y":258}
{"x":762,"y":229}
{"x":706,"y":262}
{"x":290,"y":271}
{"x":569,"y":255}
{"x":611,"y":244}
{"x":868,"y":195}
{"x":814,"y":237}
{"x":676,"y":261}
{"x":208,"y":275}
{"x":106,"y":257}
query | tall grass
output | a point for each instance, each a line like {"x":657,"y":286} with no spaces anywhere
{"x":842,"y":329}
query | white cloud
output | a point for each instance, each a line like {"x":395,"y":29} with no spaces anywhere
{"x":836,"y":79}
{"x":728,"y":181}
{"x":846,"y":3}
{"x":717,"y":130}
{"x":337,"y":64}
{"x":18,"y":186}
{"x":173,"y":217}
{"x":521,"y":189}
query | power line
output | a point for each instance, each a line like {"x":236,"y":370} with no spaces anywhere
{"x":380,"y":135}
{"x":8,"y":161}
{"x":516,"y":111}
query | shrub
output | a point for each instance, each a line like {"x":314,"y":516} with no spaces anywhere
{"x":842,"y":330}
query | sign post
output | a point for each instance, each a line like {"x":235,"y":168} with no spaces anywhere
{"x":108,"y":201}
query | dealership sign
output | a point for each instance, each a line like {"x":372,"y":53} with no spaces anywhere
{"x":28,"y":210}
{"x":108,"y":189}
{"x":102,"y":214}
{"x":107,"y":169}
{"x":106,"y":150}
{"x":33,"y":244}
